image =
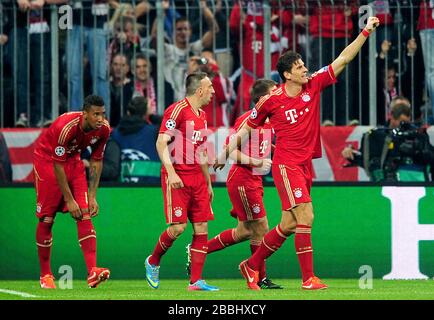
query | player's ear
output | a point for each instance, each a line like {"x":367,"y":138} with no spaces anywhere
{"x":287,"y":75}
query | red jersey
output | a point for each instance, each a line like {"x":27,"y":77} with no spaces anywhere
{"x":253,"y":38}
{"x":329,"y":21}
{"x":426,"y":16}
{"x":258,"y":146}
{"x":188,"y":132}
{"x":65,"y":139}
{"x":296,"y":120}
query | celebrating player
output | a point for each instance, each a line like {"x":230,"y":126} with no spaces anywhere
{"x":186,"y":183}
{"x":61,"y":184}
{"x":245,"y":187}
{"x":294,"y":112}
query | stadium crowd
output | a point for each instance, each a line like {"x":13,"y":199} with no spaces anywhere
{"x":111,"y":51}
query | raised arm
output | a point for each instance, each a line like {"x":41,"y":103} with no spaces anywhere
{"x":207,"y":39}
{"x":349,"y":53}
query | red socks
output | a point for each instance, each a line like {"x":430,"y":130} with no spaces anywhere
{"x":254,"y":246}
{"x":303,"y":248}
{"x":272,"y":241}
{"x":87,"y":241}
{"x":198,"y":251}
{"x":44,"y":240}
{"x":222,"y":240}
{"x":164,"y":243}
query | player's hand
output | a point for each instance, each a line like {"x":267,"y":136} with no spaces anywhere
{"x":210,"y":193}
{"x":266,"y":165}
{"x":372,"y":24}
{"x":93,"y":207}
{"x":175,"y":181}
{"x":24,"y":5}
{"x":74,"y":209}
{"x":37,"y":4}
{"x":220,"y":161}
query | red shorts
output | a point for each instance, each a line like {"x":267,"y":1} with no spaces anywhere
{"x":190,"y":202}
{"x":293,"y":183}
{"x":49,"y":197}
{"x":246,"y":196}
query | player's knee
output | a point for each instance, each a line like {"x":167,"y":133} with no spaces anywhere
{"x":243,"y":234}
{"x":261,"y":229}
{"x":288,"y":227}
{"x":178,"y":229}
{"x":304,"y":214}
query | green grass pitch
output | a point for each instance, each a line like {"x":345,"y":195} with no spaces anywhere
{"x":235,"y":289}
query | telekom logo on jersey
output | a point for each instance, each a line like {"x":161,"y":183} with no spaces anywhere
{"x":197,"y":143}
{"x":291,"y":115}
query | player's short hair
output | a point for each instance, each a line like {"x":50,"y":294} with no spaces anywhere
{"x":138,"y":106}
{"x":260,"y":88}
{"x":286,"y":61}
{"x":192,"y":83}
{"x":92,"y":100}
{"x":399,"y":109}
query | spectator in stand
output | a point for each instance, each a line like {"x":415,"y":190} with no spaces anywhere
{"x":126,"y":38}
{"x":88,"y":34}
{"x":136,"y":138}
{"x":331,"y":28}
{"x":413,"y":76}
{"x":177,"y":54}
{"x":144,"y":84}
{"x":246,"y":23}
{"x":121,"y":88}
{"x":31,"y":34}
{"x":383,"y":11}
{"x":387,"y":79}
{"x":5,"y":66}
{"x":216,"y":110}
{"x":426,"y":30}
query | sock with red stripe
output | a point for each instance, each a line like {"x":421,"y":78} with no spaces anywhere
{"x":254,"y":246}
{"x":44,"y":241}
{"x":272,"y":241}
{"x":222,"y":240}
{"x":303,"y":248}
{"x":198,"y":252}
{"x":87,"y":241}
{"x":164,"y":243}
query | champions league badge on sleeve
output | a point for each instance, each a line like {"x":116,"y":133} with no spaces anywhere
{"x":59,"y":151}
{"x":170,"y":124}
{"x":254,"y":114}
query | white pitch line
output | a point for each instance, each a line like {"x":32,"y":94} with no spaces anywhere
{"x":18,"y":293}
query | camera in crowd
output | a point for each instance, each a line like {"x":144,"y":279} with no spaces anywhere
{"x":400,"y":154}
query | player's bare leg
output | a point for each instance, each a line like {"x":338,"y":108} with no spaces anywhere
{"x":303,"y":246}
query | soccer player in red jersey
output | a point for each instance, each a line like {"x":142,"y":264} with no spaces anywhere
{"x":61,"y":183}
{"x":294,"y":113}
{"x":245,"y":188}
{"x":185,"y":179}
